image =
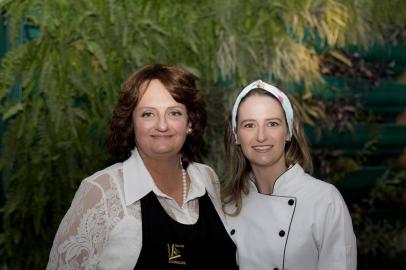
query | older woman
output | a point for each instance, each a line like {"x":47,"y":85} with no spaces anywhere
{"x":280,"y":216}
{"x":156,"y":208}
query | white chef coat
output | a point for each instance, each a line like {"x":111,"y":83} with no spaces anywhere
{"x":102,"y":229}
{"x":303,"y":225}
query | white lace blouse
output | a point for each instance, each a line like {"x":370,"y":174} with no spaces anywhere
{"x":102,"y":229}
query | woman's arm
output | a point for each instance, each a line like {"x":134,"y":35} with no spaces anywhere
{"x":83,"y":231}
{"x":338,"y":248}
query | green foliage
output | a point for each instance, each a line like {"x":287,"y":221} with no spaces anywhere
{"x":366,"y":169}
{"x":380,"y":241}
{"x":68,"y":77}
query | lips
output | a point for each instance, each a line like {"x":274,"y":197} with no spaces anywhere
{"x":262,"y":148}
{"x":160,"y":136}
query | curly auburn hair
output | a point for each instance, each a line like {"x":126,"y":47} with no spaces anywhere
{"x":181,"y":84}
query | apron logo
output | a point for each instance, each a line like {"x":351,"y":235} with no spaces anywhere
{"x":175,"y":254}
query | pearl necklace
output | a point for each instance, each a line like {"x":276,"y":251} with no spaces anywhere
{"x":184,"y":182}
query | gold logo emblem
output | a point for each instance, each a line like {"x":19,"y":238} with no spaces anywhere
{"x":175,"y":254}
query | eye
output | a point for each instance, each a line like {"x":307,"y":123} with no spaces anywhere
{"x":175,"y":113}
{"x":249,"y":125}
{"x":273,"y":124}
{"x":147,"y":114}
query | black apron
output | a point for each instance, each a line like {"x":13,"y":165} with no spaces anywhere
{"x":167,"y":244}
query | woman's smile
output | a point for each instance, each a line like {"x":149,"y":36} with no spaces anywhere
{"x":262,"y":148}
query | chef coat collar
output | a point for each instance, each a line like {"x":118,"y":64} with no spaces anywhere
{"x":282,"y":182}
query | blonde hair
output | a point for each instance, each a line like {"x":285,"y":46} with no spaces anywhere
{"x":238,"y":167}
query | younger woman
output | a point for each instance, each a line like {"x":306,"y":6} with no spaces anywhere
{"x":279,"y":215}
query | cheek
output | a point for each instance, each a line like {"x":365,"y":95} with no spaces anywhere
{"x":282,"y":136}
{"x":245,"y":137}
{"x":141,"y":128}
{"x":180,"y":126}
{"x":244,"y":140}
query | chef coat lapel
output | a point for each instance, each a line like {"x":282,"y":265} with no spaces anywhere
{"x":270,"y":216}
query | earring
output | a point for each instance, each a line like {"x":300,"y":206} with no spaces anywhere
{"x":189,"y":130}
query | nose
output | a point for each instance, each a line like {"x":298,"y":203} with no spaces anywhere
{"x":162,"y":123}
{"x":261,"y":134}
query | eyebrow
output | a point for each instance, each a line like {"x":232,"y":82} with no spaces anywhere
{"x":267,"y":119}
{"x":169,"y":108}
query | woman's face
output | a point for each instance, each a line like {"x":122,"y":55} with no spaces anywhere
{"x":262,"y":131}
{"x":160,"y":123}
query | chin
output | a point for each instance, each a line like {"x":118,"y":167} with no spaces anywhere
{"x":164,"y":151}
{"x":262,"y":162}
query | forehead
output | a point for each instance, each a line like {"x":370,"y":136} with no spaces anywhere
{"x":155,"y":94}
{"x":258,"y":107}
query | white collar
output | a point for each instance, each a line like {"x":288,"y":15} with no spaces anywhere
{"x":287,"y":178}
{"x":283,"y":181}
{"x":138,"y":181}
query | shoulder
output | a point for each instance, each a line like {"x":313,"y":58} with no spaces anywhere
{"x":111,"y":170}
{"x":207,"y":176}
{"x":100,"y":181}
{"x":318,"y":184}
{"x":323,"y":202}
{"x":211,"y":182}
{"x":330,"y":209}
{"x":318,"y":189}
{"x":100,"y":176}
{"x":204,"y":171}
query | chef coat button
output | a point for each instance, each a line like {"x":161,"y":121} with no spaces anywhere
{"x":281,"y":233}
{"x":291,"y":202}
{"x":232,"y":232}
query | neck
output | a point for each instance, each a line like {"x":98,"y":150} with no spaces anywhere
{"x":162,"y":166}
{"x":167,"y":175}
{"x":266,"y":176}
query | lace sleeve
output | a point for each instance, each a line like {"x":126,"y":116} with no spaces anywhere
{"x":83,"y":231}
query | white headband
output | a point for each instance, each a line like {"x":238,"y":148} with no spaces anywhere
{"x":283,"y":99}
